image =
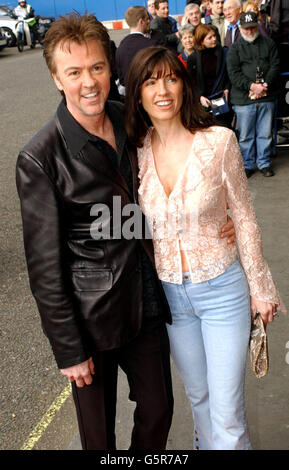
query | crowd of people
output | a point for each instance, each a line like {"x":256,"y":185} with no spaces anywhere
{"x":112,"y":296}
{"x":232,"y":50}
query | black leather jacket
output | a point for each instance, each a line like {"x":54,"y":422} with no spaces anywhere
{"x":88,"y":292}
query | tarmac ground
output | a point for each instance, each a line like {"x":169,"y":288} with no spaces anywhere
{"x":36,"y":410}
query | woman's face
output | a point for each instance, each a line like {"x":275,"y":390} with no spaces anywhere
{"x":188,"y":41}
{"x":210,"y":40}
{"x":162,"y":97}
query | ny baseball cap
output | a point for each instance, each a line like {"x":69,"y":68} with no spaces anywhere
{"x":248,"y":19}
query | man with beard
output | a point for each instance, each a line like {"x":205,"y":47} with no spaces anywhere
{"x":253,"y":67}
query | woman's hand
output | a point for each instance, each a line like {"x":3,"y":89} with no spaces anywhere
{"x":265,"y":309}
{"x":205,"y":102}
{"x":226,"y":95}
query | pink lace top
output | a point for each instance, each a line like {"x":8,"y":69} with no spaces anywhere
{"x":191,"y":217}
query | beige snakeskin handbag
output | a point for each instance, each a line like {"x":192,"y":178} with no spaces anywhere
{"x":258,"y":347}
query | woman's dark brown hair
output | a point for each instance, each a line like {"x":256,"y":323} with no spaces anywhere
{"x":151,"y":60}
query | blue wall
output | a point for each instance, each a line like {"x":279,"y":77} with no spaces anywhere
{"x":103,"y":9}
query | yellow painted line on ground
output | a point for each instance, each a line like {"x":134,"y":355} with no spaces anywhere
{"x":46,"y":419}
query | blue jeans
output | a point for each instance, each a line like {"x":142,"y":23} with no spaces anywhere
{"x":209,"y":339}
{"x":255,"y":123}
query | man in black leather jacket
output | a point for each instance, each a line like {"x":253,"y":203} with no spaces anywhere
{"x":100,"y":301}
{"x":93,"y":278}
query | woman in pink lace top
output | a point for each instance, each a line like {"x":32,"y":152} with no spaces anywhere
{"x":190,"y":170}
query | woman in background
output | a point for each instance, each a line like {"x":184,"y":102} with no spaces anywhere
{"x":186,"y":33}
{"x":207,"y":67}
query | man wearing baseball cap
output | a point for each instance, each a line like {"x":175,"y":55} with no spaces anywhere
{"x":253,"y":68}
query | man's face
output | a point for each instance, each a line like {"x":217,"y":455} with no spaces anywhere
{"x":231,"y":11}
{"x":194,"y":16}
{"x":83,"y":74}
{"x":151,"y":7}
{"x":217,"y":7}
{"x":163,"y":10}
{"x":249,"y":34}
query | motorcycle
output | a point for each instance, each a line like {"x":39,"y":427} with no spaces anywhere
{"x":38,"y":27}
{"x":25,"y":35}
{"x":43,"y":24}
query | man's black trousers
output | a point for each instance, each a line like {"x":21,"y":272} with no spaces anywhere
{"x":146,"y":362}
